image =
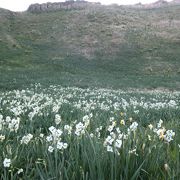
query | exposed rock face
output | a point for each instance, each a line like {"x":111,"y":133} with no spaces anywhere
{"x":68,"y":5}
{"x":47,"y":7}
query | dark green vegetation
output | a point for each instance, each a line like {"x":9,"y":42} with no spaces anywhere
{"x":96,"y":114}
{"x":106,"y":46}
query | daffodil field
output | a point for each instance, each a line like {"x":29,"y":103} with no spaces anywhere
{"x":71,"y":133}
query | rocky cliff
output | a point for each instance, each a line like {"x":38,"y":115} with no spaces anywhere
{"x":68,"y":5}
{"x":47,"y":7}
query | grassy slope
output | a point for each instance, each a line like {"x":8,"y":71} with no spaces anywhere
{"x":105,"y":47}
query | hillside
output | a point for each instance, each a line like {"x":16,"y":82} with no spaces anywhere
{"x":100,"y":46}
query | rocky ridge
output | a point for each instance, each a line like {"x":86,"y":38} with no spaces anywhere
{"x":68,"y":5}
{"x":47,"y":7}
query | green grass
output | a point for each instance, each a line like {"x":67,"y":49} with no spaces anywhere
{"x":104,"y":47}
{"x":100,"y":47}
{"x":86,"y":156}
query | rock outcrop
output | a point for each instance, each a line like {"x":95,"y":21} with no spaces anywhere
{"x":47,"y":7}
{"x":68,"y":5}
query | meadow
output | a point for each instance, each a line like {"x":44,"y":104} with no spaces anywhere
{"x":104,"y":46}
{"x":60,"y":132}
{"x":90,"y":94}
